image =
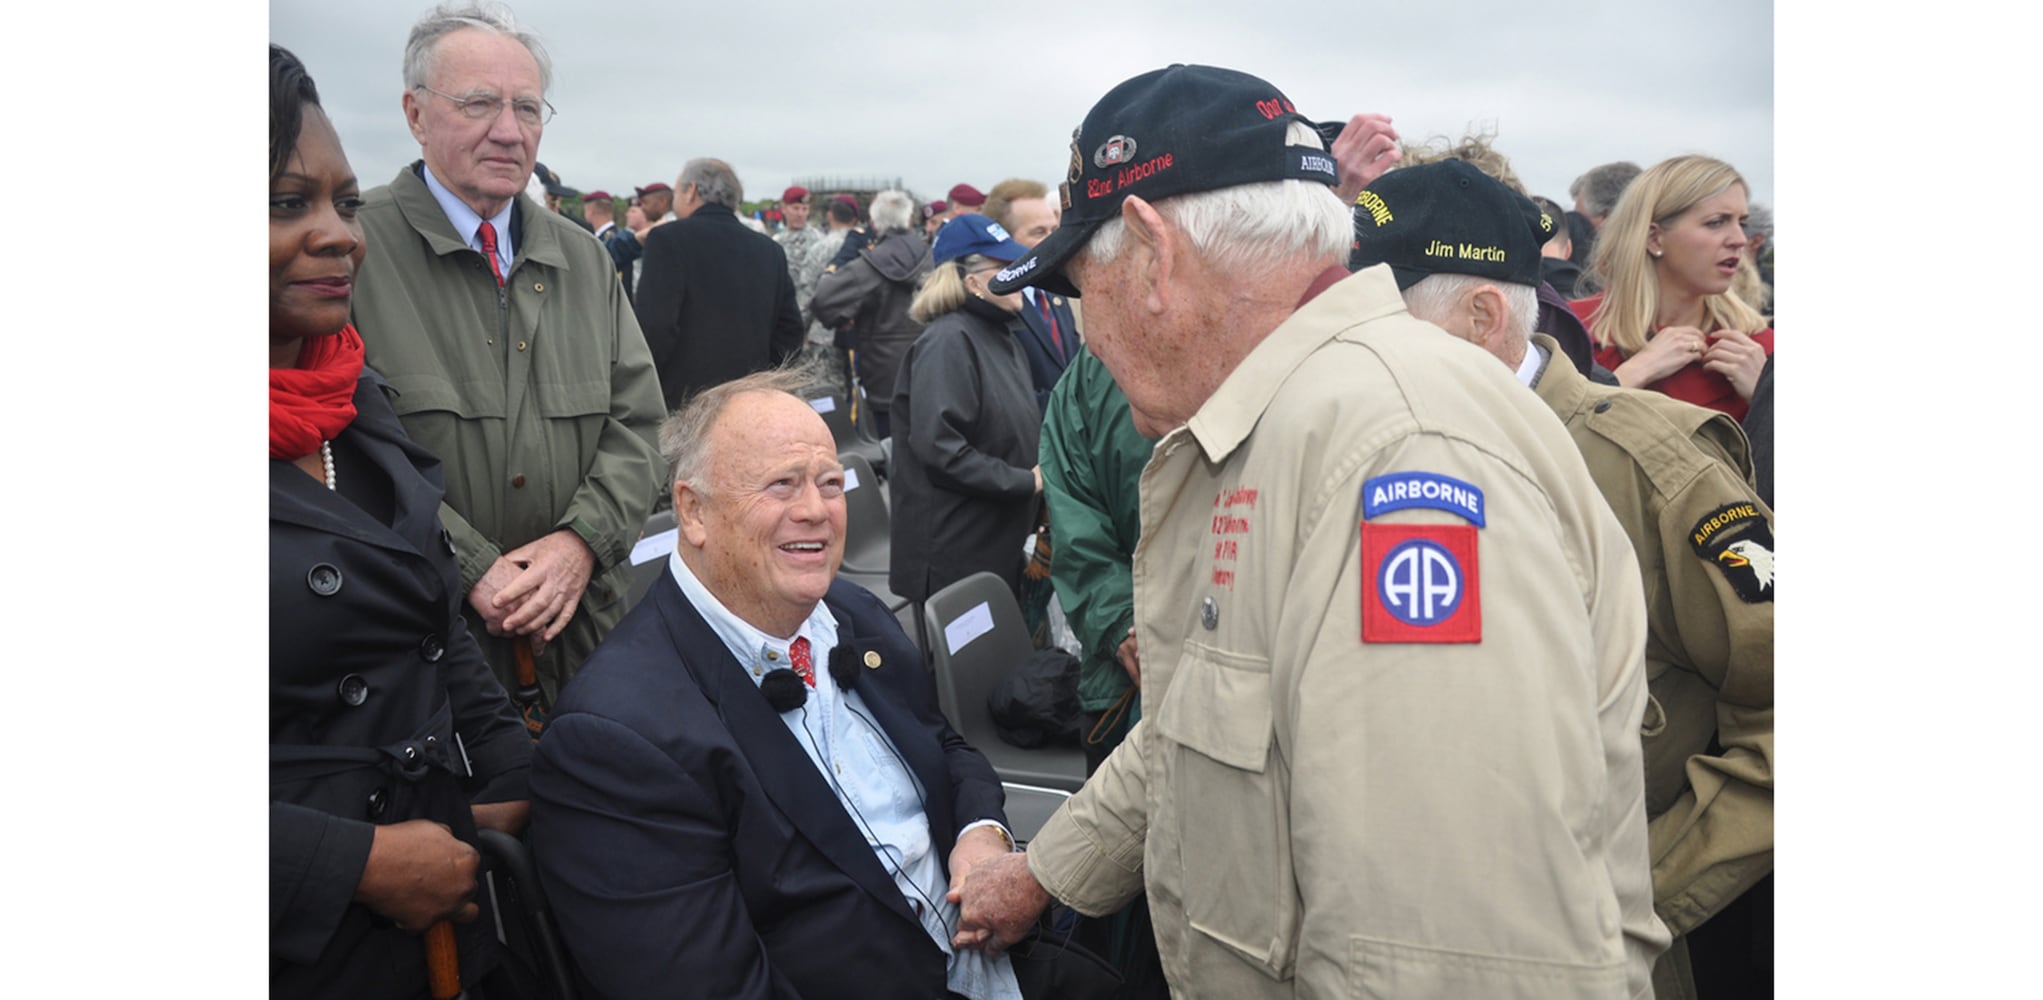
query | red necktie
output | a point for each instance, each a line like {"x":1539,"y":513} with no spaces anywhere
{"x":798,"y":654}
{"x":488,"y":234}
{"x":1043,"y":303}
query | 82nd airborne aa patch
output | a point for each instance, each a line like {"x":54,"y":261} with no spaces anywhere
{"x":1420,"y":581}
{"x":1738,"y":541}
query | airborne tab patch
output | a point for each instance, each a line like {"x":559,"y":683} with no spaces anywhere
{"x":1419,"y":583}
{"x":1399,"y":490}
{"x":1737,"y":539}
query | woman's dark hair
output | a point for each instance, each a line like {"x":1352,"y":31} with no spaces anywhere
{"x":290,"y":90}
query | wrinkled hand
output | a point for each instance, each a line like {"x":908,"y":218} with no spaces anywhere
{"x":975,"y":846}
{"x":509,"y":817}
{"x":482,"y":597}
{"x":1736,"y":356}
{"x":997,"y":904}
{"x":543,"y":598}
{"x":1129,"y":658}
{"x":418,"y":873}
{"x":1365,"y":150}
{"x":1668,"y":352}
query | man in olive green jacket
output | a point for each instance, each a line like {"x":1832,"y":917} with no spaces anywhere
{"x":535,"y":388}
{"x":1678,"y":477}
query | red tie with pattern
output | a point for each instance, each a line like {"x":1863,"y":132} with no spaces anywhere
{"x":488,"y":234}
{"x":1043,"y":303}
{"x":805,"y":665}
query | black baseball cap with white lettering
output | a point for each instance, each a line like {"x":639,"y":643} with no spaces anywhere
{"x":1448,"y":218}
{"x":1168,"y":132}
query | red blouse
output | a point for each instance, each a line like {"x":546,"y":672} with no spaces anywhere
{"x":1693,"y":383}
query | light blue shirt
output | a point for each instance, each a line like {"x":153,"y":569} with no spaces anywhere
{"x":467,"y":224}
{"x":867,"y":773}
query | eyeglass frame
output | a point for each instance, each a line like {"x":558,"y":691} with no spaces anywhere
{"x":462,"y":103}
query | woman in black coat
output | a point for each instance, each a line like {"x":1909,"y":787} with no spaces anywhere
{"x":380,"y":702}
{"x":965,"y":484}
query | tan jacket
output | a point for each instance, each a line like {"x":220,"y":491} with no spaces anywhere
{"x":1314,"y":815}
{"x":1668,"y":469}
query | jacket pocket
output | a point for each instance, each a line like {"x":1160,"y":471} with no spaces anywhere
{"x":1233,"y":826}
{"x":1392,"y":971}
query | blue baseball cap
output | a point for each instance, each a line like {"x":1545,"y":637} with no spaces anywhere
{"x":970,"y":234}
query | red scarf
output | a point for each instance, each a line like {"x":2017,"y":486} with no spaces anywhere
{"x":315,"y":401}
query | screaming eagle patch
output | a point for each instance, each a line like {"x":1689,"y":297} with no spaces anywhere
{"x":1738,"y":541}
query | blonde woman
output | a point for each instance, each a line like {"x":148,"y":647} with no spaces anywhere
{"x":1668,"y":258}
{"x":964,"y":481}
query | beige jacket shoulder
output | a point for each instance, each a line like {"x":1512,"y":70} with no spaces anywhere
{"x":1314,"y":815}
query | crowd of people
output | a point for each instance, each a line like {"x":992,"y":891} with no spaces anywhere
{"x":1244,"y":401}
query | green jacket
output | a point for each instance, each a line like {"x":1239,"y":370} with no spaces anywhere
{"x":1678,"y":478}
{"x":1092,"y":459}
{"x":540,"y":397}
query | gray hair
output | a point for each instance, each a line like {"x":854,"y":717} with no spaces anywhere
{"x":891,"y":210}
{"x":450,"y":17}
{"x":1759,"y":221}
{"x":715,"y":182}
{"x":1599,"y":189}
{"x":1435,"y":294}
{"x":1250,"y":230}
{"x":684,"y":436}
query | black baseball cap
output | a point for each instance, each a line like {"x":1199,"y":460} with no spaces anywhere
{"x":1449,"y":218}
{"x":1168,"y":132}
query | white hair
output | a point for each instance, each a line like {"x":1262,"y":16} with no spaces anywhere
{"x":1250,"y":230}
{"x":891,"y":210}
{"x":1434,"y":296}
{"x":450,"y":17}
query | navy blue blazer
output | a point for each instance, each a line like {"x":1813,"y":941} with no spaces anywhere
{"x":1046,"y":361}
{"x":689,"y":846}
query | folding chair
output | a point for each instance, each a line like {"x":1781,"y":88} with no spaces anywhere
{"x":649,"y":557}
{"x":836,"y":413}
{"x":1029,"y":807}
{"x":976,"y":638}
{"x":535,"y":965}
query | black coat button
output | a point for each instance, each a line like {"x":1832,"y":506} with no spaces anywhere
{"x":449,"y":539}
{"x":378,"y":801}
{"x":353,"y":690}
{"x":324,"y":580}
{"x":431,"y":648}
{"x":1603,"y":406}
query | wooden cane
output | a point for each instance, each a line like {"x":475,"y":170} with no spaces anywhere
{"x":528,"y":692}
{"x":443,"y":961}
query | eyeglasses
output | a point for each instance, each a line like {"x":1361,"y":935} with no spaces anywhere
{"x":486,"y":107}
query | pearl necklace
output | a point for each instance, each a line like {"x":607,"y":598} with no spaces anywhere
{"x":326,"y":459}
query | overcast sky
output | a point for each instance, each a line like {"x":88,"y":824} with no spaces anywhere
{"x":794,"y":90}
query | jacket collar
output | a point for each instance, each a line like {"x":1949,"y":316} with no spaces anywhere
{"x":296,"y":498}
{"x":783,"y":768}
{"x":531,"y":234}
{"x":1228,"y":416}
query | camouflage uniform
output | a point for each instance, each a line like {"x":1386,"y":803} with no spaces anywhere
{"x":796,"y":242}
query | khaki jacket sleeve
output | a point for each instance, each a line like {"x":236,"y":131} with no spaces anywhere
{"x":609,"y":509}
{"x":1716,"y":840}
{"x":1493,"y":785}
{"x":1089,"y":854}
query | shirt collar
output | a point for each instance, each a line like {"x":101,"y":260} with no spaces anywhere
{"x":1227,"y":416}
{"x":466,"y":221}
{"x":754,"y":650}
{"x":1531,"y":365}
